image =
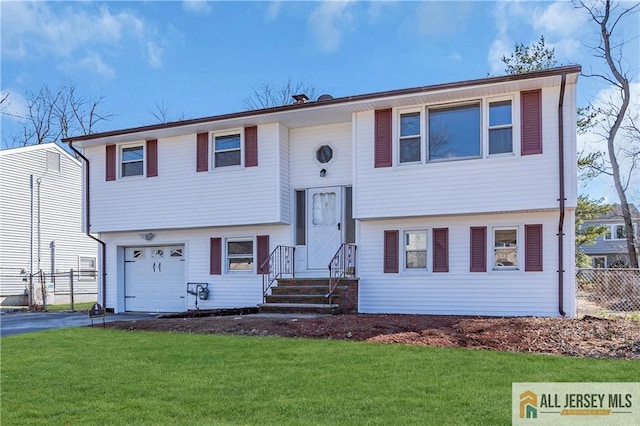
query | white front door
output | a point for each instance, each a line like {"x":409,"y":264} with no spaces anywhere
{"x":324,"y":229}
{"x":154,"y":279}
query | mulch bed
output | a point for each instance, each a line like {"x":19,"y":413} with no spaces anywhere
{"x":587,"y":337}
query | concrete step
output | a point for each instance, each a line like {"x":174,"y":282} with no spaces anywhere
{"x":317,"y":299}
{"x":299,"y":308}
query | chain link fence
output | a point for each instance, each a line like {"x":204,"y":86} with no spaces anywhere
{"x":608,"y":292}
{"x":71,"y":290}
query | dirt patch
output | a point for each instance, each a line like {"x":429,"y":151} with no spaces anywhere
{"x":586,"y":337}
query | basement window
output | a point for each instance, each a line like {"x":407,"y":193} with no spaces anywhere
{"x":239,"y":255}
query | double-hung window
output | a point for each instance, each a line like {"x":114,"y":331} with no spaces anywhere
{"x":87,"y":268}
{"x":239,"y":255}
{"x":615,"y":232}
{"x":410,"y":139}
{"x":505,"y":248}
{"x":132,"y":160}
{"x":227,"y":149}
{"x":454,"y":132}
{"x":500,"y":127}
{"x":415,"y":250}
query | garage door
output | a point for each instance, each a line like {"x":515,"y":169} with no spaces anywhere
{"x":154,"y":279}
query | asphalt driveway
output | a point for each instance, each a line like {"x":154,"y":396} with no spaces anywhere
{"x":28,"y":322}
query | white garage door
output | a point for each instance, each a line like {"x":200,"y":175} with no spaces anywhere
{"x":154,"y":279}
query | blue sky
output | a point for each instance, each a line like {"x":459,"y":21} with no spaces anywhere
{"x":204,"y":58}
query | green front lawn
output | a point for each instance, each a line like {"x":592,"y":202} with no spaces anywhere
{"x":98,"y":376}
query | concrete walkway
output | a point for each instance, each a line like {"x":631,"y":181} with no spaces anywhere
{"x":28,"y":322}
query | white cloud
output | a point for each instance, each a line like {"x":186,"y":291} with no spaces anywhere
{"x":559,"y":19}
{"x":499,"y":47}
{"x":273,"y":10}
{"x":200,"y":7}
{"x":455,"y":56}
{"x":154,"y":54}
{"x":94,"y":62}
{"x":67,"y":30}
{"x":327,"y":22}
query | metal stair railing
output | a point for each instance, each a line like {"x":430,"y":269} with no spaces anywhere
{"x":342,"y":265}
{"x":280,"y":262}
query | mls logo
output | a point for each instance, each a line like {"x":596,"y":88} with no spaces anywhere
{"x":528,"y":405}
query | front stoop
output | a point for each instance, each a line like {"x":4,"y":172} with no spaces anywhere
{"x":308,"y":295}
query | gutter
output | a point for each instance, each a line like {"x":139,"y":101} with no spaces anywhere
{"x":561,"y":197}
{"x":88,"y":223}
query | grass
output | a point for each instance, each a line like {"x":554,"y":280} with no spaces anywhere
{"x":98,"y":376}
{"x":85,"y":306}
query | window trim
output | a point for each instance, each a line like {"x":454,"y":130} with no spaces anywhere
{"x":613,"y":236}
{"x":398,"y":129}
{"x":212,"y":142}
{"x":519,"y":248}
{"x":427,"y":250}
{"x":89,"y":277}
{"x":515,"y":143}
{"x":121,"y":149}
{"x":254,"y":254}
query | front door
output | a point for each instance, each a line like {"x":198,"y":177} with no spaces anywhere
{"x":324,"y":230}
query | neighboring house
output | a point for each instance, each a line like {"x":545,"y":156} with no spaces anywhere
{"x":41,"y":225}
{"x":611,"y":250}
{"x":460,"y":198}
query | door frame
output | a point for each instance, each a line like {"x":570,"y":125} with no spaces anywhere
{"x":340,"y":192}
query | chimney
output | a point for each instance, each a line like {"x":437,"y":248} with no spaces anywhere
{"x":300,"y":99}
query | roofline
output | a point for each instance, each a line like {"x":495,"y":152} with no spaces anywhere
{"x":336,"y":101}
{"x":35,"y":147}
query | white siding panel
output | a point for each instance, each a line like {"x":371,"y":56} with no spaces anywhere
{"x":283,"y":164}
{"x":229,"y":290}
{"x":60,"y":217}
{"x":507,"y":183}
{"x":180,"y":197}
{"x":305,"y":169}
{"x":460,"y":291}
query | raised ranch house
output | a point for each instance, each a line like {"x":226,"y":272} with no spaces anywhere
{"x":610,"y":250}
{"x":41,"y":227}
{"x":455,"y":198}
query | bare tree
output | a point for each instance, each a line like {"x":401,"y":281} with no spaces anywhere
{"x":268,"y":96}
{"x":161,"y":113}
{"x":614,"y":118}
{"x":52,"y":115}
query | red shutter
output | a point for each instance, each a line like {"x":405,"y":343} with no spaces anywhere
{"x":383,"y":150}
{"x":152,"y":158}
{"x":478,"y":260}
{"x":215,"y":257}
{"x":262,"y":253}
{"x":202,"y":152}
{"x":531,"y":121}
{"x":251,"y":147}
{"x":391,"y":242}
{"x":110,"y":162}
{"x":533,"y":247}
{"x":441,"y":250}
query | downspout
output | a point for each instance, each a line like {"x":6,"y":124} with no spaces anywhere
{"x":561,"y":198}
{"x":87,"y":200}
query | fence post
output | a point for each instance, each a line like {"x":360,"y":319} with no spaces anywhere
{"x":71,"y":289}
{"x":43,"y":285}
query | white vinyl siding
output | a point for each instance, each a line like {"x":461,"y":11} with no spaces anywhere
{"x":505,"y":292}
{"x":61,"y":217}
{"x":486,"y":184}
{"x":182,"y":198}
{"x":228,"y":290}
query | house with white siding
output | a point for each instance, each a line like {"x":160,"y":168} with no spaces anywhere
{"x":41,"y":226}
{"x":454,"y":198}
